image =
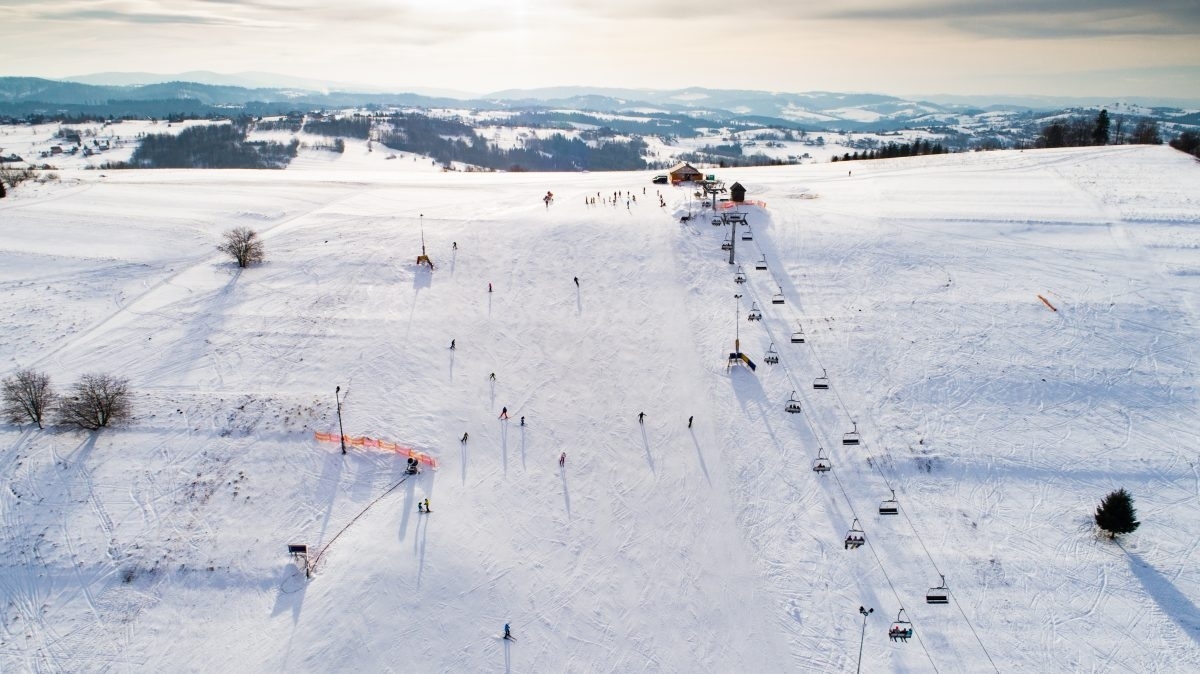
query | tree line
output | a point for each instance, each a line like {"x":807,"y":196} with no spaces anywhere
{"x":892,"y":150}
{"x":211,"y":146}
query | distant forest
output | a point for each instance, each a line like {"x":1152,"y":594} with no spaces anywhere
{"x":452,"y":141}
{"x":212,"y":146}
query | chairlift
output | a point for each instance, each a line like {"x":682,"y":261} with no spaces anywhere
{"x":798,"y":335}
{"x":901,"y":629}
{"x":717,"y":222}
{"x":777,"y":298}
{"x":856,"y":536}
{"x":747,"y":235}
{"x":740,"y":276}
{"x":851,"y":438}
{"x":792,"y":405}
{"x":761,"y":265}
{"x":822,"y":464}
{"x":939,"y":594}
{"x":822,"y":382}
{"x":890,"y":506}
{"x":772,"y":356}
{"x":755,"y":314}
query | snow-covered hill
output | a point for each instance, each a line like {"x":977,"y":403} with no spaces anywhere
{"x":997,"y":422}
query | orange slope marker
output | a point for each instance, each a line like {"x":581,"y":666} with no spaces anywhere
{"x":1047,"y":303}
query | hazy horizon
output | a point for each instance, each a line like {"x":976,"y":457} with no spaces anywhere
{"x":1061,"y":48}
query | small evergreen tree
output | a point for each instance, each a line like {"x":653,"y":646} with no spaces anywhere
{"x":1116,"y":514}
{"x":1100,"y":132}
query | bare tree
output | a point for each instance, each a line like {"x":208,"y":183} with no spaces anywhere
{"x":27,"y":396}
{"x":243,"y":245}
{"x":96,"y":401}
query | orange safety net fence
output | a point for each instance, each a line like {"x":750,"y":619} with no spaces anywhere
{"x":379,"y":444}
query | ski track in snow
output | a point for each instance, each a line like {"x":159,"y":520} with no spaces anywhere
{"x":998,"y":423}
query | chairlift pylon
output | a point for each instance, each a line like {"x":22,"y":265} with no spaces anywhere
{"x":822,"y":464}
{"x":852,"y":437}
{"x":755,"y":313}
{"x":855,"y":537}
{"x":821,"y":382}
{"x":890,"y":506}
{"x":772,"y":356}
{"x":792,"y":405}
{"x":901,"y":629}
{"x":939,"y":594}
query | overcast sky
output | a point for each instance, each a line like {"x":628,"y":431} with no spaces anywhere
{"x":1101,"y":48}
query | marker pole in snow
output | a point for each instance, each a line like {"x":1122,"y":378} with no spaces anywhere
{"x":865,"y":612}
{"x":337,"y":393}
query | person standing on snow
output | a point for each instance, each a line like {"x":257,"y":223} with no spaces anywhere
{"x":641,"y":416}
{"x":690,"y":421}
{"x":562,"y":459}
{"x":576,"y":281}
{"x":507,"y":634}
{"x":503,"y":412}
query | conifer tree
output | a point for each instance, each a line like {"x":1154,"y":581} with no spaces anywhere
{"x":1100,"y":132}
{"x":1116,"y":514}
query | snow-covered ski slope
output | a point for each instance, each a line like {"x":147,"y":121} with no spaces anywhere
{"x":999,"y":423}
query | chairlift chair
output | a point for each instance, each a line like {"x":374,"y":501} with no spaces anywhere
{"x":717,"y":222}
{"x":777,"y":298}
{"x":772,"y":356}
{"x":755,"y":314}
{"x":798,"y":335}
{"x":901,"y":629}
{"x":939,"y":594}
{"x":740,"y":276}
{"x":821,"y":382}
{"x":747,"y":235}
{"x":855,"y":537}
{"x":822,"y":464}
{"x":726,"y":245}
{"x":851,"y":438}
{"x":792,"y":405}
{"x":761,"y":265}
{"x":890,"y":506}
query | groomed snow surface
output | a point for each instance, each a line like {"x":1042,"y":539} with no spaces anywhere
{"x":999,"y":424}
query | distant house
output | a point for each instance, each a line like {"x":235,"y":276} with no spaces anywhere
{"x":55,"y":149}
{"x":73,"y":138}
{"x":684,"y":172}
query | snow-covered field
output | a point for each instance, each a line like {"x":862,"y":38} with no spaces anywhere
{"x":998,"y":423}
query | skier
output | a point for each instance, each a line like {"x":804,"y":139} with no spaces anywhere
{"x":492,"y":376}
{"x":507,"y":634}
{"x":464,"y":438}
{"x":641,"y":416}
{"x":453,"y":245}
{"x":522,"y":421}
{"x":452,"y":345}
{"x":690,"y":421}
{"x":489,"y":286}
{"x":427,"y":506}
{"x":420,"y":507}
{"x":576,"y":281}
{"x":562,"y":459}
{"x":503,"y":412}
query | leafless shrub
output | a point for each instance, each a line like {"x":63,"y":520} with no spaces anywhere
{"x":243,"y":245}
{"x":96,"y":401}
{"x":27,"y":397}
